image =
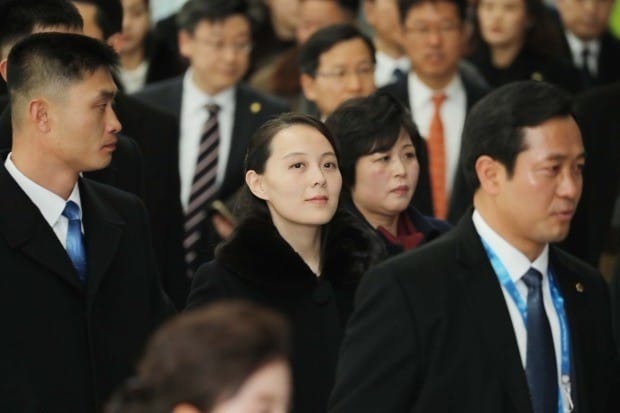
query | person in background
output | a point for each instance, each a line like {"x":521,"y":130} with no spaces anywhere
{"x":380,"y":170}
{"x":515,"y":40}
{"x":392,"y":62}
{"x":337,"y":63}
{"x":227,"y":358}
{"x":292,"y":251}
{"x":77,"y":258}
{"x":144,"y":57}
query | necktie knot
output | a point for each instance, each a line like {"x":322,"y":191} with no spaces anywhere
{"x":532,"y":278}
{"x":438,"y":99}
{"x":71,"y":211}
{"x":212,"y":108}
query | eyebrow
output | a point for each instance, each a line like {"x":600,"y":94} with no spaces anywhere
{"x":290,"y":155}
{"x":561,"y":157}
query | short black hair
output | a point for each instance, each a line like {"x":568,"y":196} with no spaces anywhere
{"x":405,"y":5}
{"x":195,"y":11}
{"x":326,"y":38}
{"x":366,"y":125}
{"x":494,"y":126}
{"x":108,"y":15}
{"x":54,"y":60}
{"x":19,"y":18}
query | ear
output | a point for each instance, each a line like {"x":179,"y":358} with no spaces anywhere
{"x":3,"y":68}
{"x":184,"y":408}
{"x":254,"y":181}
{"x":115,"y":41}
{"x":489,"y":172}
{"x":38,"y":114}
{"x":186,"y":43}
{"x":308,"y":86}
{"x":369,"y":12}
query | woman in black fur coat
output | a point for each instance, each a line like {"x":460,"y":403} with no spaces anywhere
{"x":292,"y":251}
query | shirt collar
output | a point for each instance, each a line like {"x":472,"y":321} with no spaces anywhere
{"x":515,"y":262}
{"x":197,"y":99}
{"x":577,"y":45}
{"x":50,"y":204}
{"x":422,"y":94}
{"x":389,"y":62}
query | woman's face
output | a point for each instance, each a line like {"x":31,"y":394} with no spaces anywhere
{"x":385,"y":181}
{"x":301,"y":181}
{"x":502,"y":22}
{"x":135,"y":24}
{"x":266,"y":391}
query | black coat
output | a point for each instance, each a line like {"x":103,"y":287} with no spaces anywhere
{"x":431,"y":333}
{"x":259,"y":265}
{"x":66,"y":345}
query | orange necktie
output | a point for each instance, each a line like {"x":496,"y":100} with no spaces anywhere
{"x":437,"y":159}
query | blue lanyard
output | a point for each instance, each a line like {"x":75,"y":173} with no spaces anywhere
{"x":558,"y":303}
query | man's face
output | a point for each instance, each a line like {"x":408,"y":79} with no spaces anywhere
{"x":535,"y":204}
{"x":586,"y":19}
{"x":432,"y":36}
{"x":82,"y":123}
{"x":344,"y":71}
{"x":316,"y":14}
{"x":219,"y":52}
{"x":89,"y":14}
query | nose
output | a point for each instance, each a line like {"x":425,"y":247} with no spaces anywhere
{"x":318,"y":177}
{"x":570,"y":185}
{"x":434,"y":36}
{"x":354,"y":82}
{"x":114,"y":125}
{"x":398,"y":167}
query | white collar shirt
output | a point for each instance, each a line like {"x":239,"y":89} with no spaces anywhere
{"x":194,"y":114}
{"x":577,"y":47}
{"x":385,"y":66}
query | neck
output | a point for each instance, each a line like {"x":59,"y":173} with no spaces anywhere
{"x":392,"y":49}
{"x":204,"y":85}
{"x":389,"y":222}
{"x":488,"y":211}
{"x":436,"y":82}
{"x":38,"y":167}
{"x":132,"y":59}
{"x":305,"y":240}
{"x":503,"y":56}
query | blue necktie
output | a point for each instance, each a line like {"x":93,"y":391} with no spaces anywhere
{"x":398,"y":75}
{"x":540,"y":366}
{"x":75,"y":241}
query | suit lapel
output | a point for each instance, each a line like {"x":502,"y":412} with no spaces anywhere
{"x":243,"y":126}
{"x":103,"y":228}
{"x":25,"y":229}
{"x":487,"y":305}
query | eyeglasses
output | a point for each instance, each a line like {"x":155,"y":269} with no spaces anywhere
{"x":219,"y":46}
{"x":342,"y":73}
{"x":445,"y":28}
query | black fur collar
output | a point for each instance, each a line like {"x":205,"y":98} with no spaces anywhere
{"x":257,"y":253}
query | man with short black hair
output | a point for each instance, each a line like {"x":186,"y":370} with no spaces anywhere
{"x":490,"y":317}
{"x":213,"y":107}
{"x":81,"y":291}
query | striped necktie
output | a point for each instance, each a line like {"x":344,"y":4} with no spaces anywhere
{"x":203,"y":187}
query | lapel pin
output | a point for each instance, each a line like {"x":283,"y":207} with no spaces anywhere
{"x":255,"y":107}
{"x":537,"y":76}
{"x":579,"y":287}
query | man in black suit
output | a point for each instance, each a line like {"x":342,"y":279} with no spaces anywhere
{"x":216,"y":38}
{"x":460,"y":325}
{"x":81,"y":291}
{"x":588,"y":43}
{"x":432,"y":33}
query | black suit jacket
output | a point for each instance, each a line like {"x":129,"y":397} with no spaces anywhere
{"x":461,"y":197}
{"x":431,"y":332}
{"x":66,"y":345}
{"x":597,"y":115}
{"x":252,"y":109}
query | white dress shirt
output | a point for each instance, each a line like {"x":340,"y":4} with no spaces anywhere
{"x":453,"y":111}
{"x":385,"y":66}
{"x":194,"y":114}
{"x":49,"y":204}
{"x":134,"y":80}
{"x":577,"y":46}
{"x":517,"y":264}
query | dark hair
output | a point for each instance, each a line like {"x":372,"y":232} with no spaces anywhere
{"x":202,"y":357}
{"x":405,"y":5}
{"x":494,"y":126}
{"x":108,"y":15}
{"x":326,"y":38}
{"x":540,"y":37}
{"x":367,"y":125}
{"x":55,"y":59}
{"x":19,"y":18}
{"x":195,"y":11}
{"x":259,"y":150}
